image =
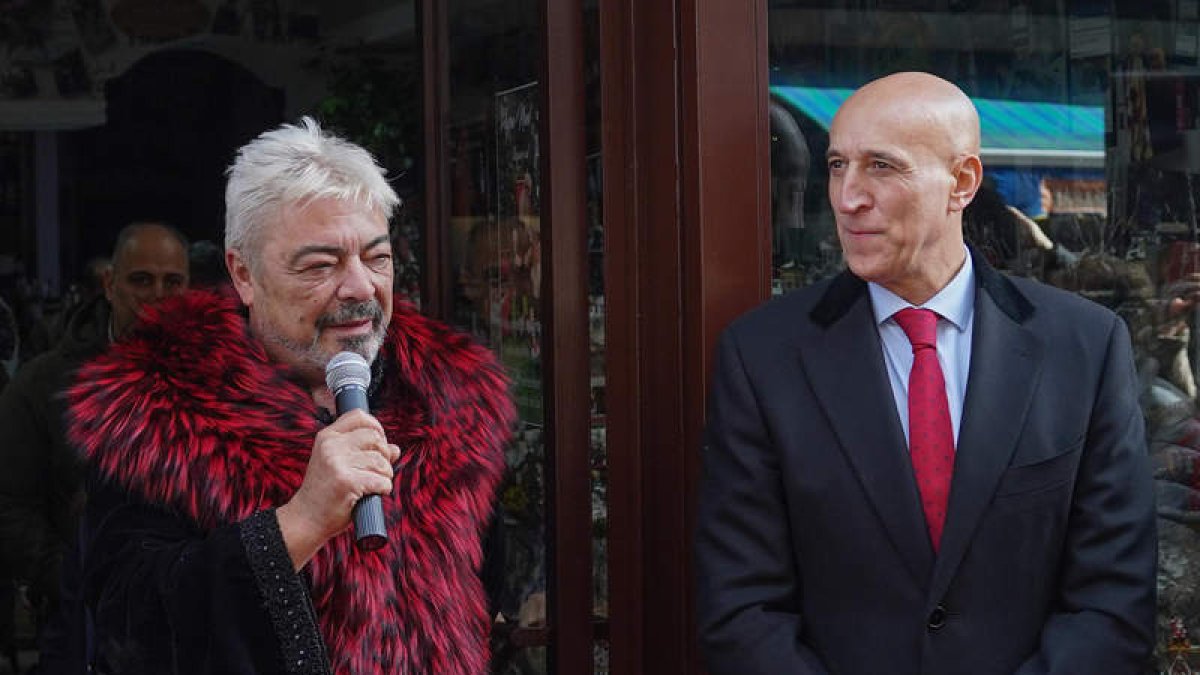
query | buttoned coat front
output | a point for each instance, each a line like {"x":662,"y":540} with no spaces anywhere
{"x":812,"y":551}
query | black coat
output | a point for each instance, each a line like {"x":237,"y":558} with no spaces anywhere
{"x":40,"y":486}
{"x":812,"y":551}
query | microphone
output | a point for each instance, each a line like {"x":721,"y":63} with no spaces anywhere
{"x":347,"y":375}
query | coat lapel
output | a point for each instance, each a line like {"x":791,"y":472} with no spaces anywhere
{"x":844,"y":363}
{"x":1006,"y":361}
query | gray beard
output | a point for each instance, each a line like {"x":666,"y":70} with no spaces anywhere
{"x":311,"y":359}
{"x":310,"y":356}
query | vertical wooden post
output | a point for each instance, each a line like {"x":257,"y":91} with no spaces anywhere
{"x":566,"y":358}
{"x":687,"y":208}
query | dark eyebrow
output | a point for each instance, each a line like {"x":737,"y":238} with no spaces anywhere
{"x":381,"y":239}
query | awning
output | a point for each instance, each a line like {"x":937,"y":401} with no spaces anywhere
{"x":1020,"y":133}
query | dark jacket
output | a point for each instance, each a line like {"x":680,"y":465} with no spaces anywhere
{"x":40,"y":486}
{"x":194,"y":437}
{"x":812,"y":551}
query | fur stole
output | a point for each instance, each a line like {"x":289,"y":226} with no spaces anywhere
{"x":189,"y":413}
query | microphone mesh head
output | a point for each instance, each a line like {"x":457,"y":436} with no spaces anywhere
{"x":347,"y":369}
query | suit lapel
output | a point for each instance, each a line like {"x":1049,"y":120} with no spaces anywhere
{"x":845,"y":366}
{"x":1006,"y":360}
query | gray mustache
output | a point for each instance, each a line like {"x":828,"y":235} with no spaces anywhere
{"x":355,"y":311}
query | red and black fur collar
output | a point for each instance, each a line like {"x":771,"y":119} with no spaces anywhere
{"x":189,"y":413}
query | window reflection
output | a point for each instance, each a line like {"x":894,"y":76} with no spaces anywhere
{"x":495,"y":239}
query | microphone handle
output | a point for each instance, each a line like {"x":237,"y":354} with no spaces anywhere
{"x":351,"y":398}
{"x":370,"y":532}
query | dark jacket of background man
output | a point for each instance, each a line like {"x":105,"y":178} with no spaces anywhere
{"x":40,"y":496}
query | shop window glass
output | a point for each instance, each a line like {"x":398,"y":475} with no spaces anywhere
{"x":492,"y":126}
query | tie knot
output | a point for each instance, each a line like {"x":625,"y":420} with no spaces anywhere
{"x":920,"y":325}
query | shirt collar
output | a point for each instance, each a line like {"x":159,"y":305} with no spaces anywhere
{"x":953,"y":303}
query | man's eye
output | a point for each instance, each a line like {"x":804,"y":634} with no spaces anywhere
{"x":880,"y":164}
{"x":835,"y":164}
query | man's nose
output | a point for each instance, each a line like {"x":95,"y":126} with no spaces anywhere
{"x":356,"y":283}
{"x":847,"y":192}
{"x":159,"y":290}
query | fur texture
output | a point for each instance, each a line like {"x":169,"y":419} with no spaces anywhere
{"x":190,"y":413}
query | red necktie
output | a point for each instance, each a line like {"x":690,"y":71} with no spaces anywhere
{"x":930,"y":435}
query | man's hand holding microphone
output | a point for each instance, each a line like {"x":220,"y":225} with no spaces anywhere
{"x":351,"y":465}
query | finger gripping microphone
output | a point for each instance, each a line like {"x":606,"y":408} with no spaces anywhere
{"x":347,"y":375}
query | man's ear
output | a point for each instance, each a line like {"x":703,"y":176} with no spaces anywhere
{"x":242,"y":277}
{"x":106,"y":278}
{"x":968,"y":176}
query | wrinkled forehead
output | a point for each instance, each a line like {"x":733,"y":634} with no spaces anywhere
{"x":347,"y":226}
{"x":904,"y":124}
{"x":315,"y":216}
{"x":859,"y":130}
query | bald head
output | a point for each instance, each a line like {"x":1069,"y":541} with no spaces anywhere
{"x":903,"y":164}
{"x":920,"y":100}
{"x":149,"y":262}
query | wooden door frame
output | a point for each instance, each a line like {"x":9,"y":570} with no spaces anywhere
{"x":565,"y":346}
{"x":686,"y":161}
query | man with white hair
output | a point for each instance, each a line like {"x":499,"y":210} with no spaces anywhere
{"x":221,"y":486}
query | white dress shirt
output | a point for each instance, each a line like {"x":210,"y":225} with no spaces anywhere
{"x":955,"y":307}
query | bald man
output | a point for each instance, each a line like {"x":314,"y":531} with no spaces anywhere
{"x":922,"y":466}
{"x":150,"y":262}
{"x":40,"y":485}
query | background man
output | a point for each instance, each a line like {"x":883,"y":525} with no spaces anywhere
{"x":921,"y":465}
{"x":40,"y":486}
{"x":221,"y":486}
